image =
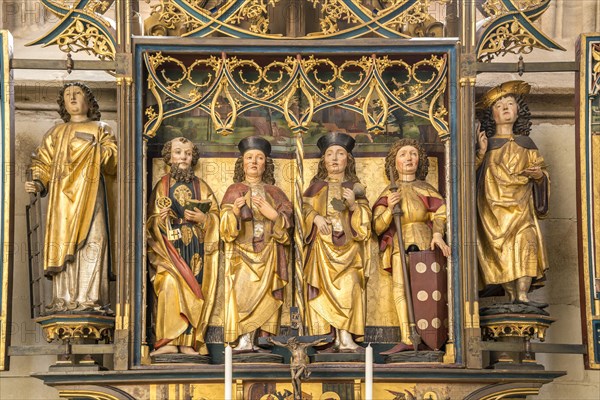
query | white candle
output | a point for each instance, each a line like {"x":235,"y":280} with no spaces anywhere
{"x":228,"y":371}
{"x":369,"y":373}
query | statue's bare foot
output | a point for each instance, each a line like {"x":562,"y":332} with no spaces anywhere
{"x":168,"y":349}
{"x":398,"y":348}
{"x":188,"y":350}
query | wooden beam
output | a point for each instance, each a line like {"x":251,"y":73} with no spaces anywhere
{"x":88,"y":65}
{"x":558,"y":66}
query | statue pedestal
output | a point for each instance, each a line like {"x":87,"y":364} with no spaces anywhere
{"x":69,"y":327}
{"x":179,"y":358}
{"x":76,"y":329}
{"x":411,"y":356}
{"x":249,"y":358}
{"x":337,"y":357}
{"x":518,"y":330}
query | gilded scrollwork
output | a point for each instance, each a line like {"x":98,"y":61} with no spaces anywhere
{"x":298,"y":88}
{"x":82,"y":28}
{"x":508,"y":28}
{"x":595,"y":69}
{"x":337,"y":18}
{"x":516,"y":326}
{"x":77,"y":327}
{"x":84,"y":331}
{"x":257,"y":13}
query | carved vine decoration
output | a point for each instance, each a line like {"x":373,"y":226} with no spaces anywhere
{"x":82,"y":27}
{"x":296,"y":87}
{"x":508,"y":28}
{"x":250,"y":18}
{"x":594,"y":89}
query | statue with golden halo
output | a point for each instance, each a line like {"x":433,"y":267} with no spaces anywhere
{"x":338,"y":227}
{"x":423,"y":221}
{"x":183,"y":251}
{"x":512,"y":193}
{"x":72,"y":167}
{"x":256,"y":219}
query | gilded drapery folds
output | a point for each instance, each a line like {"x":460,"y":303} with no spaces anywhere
{"x":423,"y":214}
{"x":69,"y":164}
{"x":183,"y":272}
{"x":183,"y":251}
{"x":256,"y":254}
{"x":75,"y":167}
{"x":513,"y":189}
{"x":510,"y":242}
{"x":335,"y":264}
{"x":291,"y":102}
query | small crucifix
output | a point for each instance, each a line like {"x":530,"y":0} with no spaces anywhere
{"x":297,"y":346}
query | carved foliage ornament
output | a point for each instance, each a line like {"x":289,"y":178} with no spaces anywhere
{"x":251,"y":18}
{"x":297,"y":87}
{"x":82,"y":27}
{"x":508,"y":28}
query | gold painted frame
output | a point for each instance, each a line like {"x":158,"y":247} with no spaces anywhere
{"x":588,"y":193}
{"x":7,"y":189}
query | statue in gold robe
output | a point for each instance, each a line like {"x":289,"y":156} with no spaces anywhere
{"x":256,"y":218}
{"x":72,"y":167}
{"x":183,"y":250}
{"x":337,"y":217}
{"x":423,"y":221}
{"x":512,"y":193}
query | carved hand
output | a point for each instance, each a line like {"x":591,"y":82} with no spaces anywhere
{"x":533,"y":172}
{"x":265,"y":208}
{"x":322,"y":225}
{"x":350,"y":198}
{"x":164,"y":213}
{"x":196,"y":216}
{"x":237,"y":204}
{"x":482,"y":140}
{"x":393,"y":199}
{"x":438,"y":240}
{"x":32,"y":187}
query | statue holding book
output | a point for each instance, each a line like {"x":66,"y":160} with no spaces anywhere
{"x":183,"y":250}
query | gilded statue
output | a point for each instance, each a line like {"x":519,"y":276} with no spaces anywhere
{"x":423,"y":221}
{"x":337,"y":217}
{"x":256,"y":219}
{"x":512,"y":194}
{"x":73,"y":167}
{"x":183,"y":251}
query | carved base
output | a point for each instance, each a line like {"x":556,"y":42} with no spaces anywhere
{"x":73,"y":367}
{"x":529,"y":326}
{"x":510,"y":308}
{"x":337,"y":357}
{"x":517,"y":366}
{"x":68,"y":327}
{"x":517,"y":329}
{"x":257,"y":358}
{"x":178,"y":358}
{"x":412,"y":357}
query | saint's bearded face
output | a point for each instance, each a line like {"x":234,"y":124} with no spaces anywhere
{"x":181,"y":161}
{"x":336,"y":159}
{"x":182,"y":154}
{"x":255,"y":163}
{"x":75,"y":102}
